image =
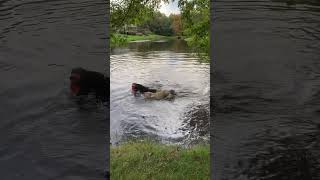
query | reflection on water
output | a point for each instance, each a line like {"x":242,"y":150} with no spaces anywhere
{"x":45,"y":134}
{"x":160,"y":64}
{"x":266,"y":90}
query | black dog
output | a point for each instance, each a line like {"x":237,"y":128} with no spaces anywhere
{"x":83,"y":82}
{"x":135,"y":87}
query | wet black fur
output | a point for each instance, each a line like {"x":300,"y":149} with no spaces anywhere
{"x":91,"y":81}
{"x":142,"y":89}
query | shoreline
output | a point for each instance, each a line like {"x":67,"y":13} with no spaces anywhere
{"x":123,"y":39}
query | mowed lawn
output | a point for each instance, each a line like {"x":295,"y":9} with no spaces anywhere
{"x":149,"y":160}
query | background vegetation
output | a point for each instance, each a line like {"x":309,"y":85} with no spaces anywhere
{"x":196,"y":25}
{"x":192,"y":24}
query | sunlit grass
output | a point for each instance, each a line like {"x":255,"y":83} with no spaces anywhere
{"x":150,"y":37}
{"x":122,"y":39}
{"x":149,"y":160}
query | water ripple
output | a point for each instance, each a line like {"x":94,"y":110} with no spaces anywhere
{"x":167,"y":69}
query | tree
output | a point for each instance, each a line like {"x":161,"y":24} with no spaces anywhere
{"x":159,"y":24}
{"x":131,"y":11}
{"x":176,"y":23}
{"x":196,"y":23}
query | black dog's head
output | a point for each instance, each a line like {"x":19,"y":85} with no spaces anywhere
{"x":76,"y":80}
{"x":135,"y":87}
{"x":83,"y":82}
{"x":172,"y":92}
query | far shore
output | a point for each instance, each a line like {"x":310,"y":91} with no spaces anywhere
{"x":118,"y":39}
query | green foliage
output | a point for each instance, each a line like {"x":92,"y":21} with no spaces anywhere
{"x":159,"y":23}
{"x":131,"y":11}
{"x":149,"y":160}
{"x":196,"y":25}
{"x":194,"y":22}
{"x":118,"y":39}
{"x":142,"y":13}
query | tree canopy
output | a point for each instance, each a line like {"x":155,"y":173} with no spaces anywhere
{"x":196,"y":24}
{"x":132,"y":11}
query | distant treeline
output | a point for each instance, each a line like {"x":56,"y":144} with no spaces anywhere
{"x":163,"y":25}
{"x":157,"y":23}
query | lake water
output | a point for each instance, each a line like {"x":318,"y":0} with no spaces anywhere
{"x":266,"y":90}
{"x":45,"y":134}
{"x":160,"y":64}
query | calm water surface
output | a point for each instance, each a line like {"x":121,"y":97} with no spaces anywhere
{"x":160,"y":64}
{"x":44,"y":133}
{"x":266,"y":90}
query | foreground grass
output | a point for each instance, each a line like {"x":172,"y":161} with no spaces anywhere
{"x":147,"y":160}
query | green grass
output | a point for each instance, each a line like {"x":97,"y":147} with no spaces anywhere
{"x":151,"y":37}
{"x":149,"y":160}
{"x":121,"y":39}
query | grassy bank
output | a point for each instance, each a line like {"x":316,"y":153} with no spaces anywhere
{"x":151,"y":37}
{"x":121,"y":39}
{"x":147,"y":160}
